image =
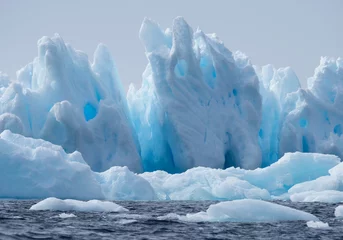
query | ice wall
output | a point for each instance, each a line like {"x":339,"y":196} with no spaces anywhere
{"x":199,"y":104}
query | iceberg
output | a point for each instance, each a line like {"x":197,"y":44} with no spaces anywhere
{"x":296,"y":119}
{"x":247,"y":210}
{"x":60,"y":97}
{"x":206,"y":124}
{"x":56,"y":204}
{"x":199,"y":104}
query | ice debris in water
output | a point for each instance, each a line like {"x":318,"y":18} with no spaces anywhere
{"x":339,"y":211}
{"x":56,"y":204}
{"x":246,"y":210}
{"x":66,"y":215}
{"x":318,"y":224}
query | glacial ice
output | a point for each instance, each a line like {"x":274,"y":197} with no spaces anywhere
{"x":34,"y":168}
{"x":328,"y":196}
{"x":199,"y":104}
{"x":61,"y":98}
{"x":200,"y":127}
{"x":235,"y":183}
{"x":119,"y":183}
{"x":323,"y":189}
{"x":247,"y":210}
{"x":56,"y":204}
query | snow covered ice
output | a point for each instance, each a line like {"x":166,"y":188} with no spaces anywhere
{"x":56,"y":204}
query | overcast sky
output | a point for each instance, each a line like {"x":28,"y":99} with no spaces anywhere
{"x":284,"y":33}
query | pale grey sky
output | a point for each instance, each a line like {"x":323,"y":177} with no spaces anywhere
{"x":284,"y":33}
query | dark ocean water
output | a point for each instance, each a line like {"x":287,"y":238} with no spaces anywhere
{"x":141,"y":222}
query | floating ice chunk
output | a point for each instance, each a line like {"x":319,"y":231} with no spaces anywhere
{"x":328,"y":196}
{"x":339,"y":211}
{"x":126,"y":221}
{"x":248,"y":210}
{"x":55,"y":204}
{"x":66,"y":215}
{"x":34,"y":168}
{"x":318,"y":224}
{"x":119,"y":183}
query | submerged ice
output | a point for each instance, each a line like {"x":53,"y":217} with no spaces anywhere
{"x":201,"y":126}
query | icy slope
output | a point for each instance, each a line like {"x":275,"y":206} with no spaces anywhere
{"x":34,"y":168}
{"x":199,"y":104}
{"x":61,"y":98}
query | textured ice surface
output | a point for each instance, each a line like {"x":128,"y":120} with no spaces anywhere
{"x":56,"y":204}
{"x":248,"y":210}
{"x":33,"y":168}
{"x":199,"y":104}
{"x":323,"y":189}
{"x":234,"y":183}
{"x":119,"y":183}
{"x":305,"y":120}
{"x":61,"y":98}
{"x":328,"y":196}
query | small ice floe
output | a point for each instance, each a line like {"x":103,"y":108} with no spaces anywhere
{"x":56,"y":204}
{"x":318,"y":224}
{"x":66,"y":215}
{"x":246,"y":210}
